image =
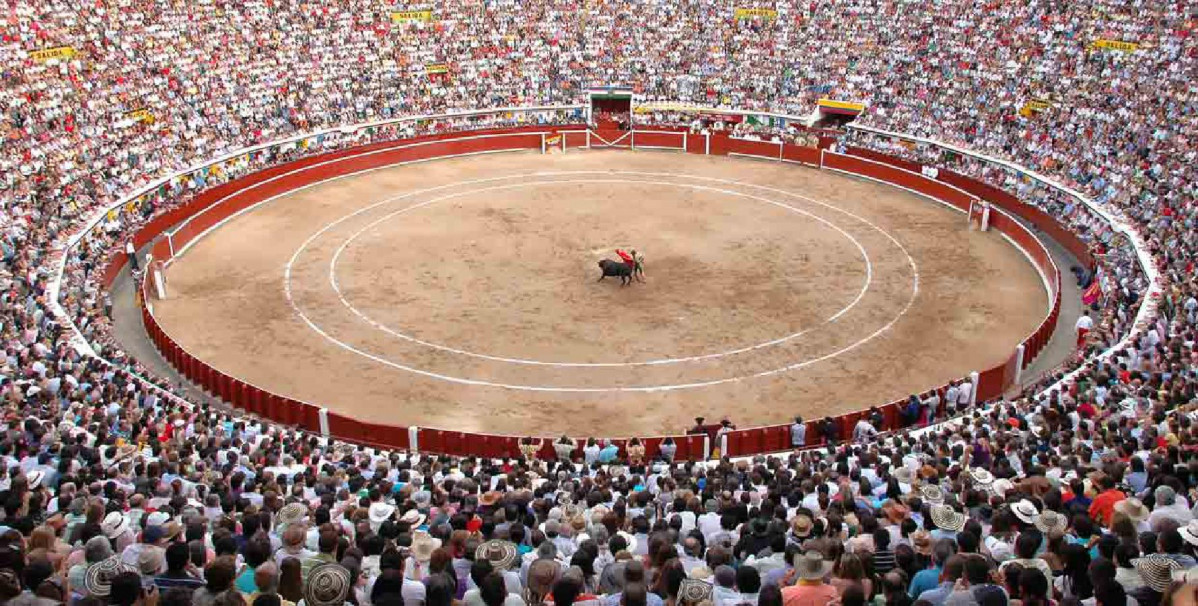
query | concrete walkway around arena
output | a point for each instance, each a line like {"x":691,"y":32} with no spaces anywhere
{"x":1064,"y":339}
{"x":131,"y":334}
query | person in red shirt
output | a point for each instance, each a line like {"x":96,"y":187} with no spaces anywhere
{"x":1103,"y":505}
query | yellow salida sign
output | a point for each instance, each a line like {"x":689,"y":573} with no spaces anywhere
{"x":58,"y":52}
{"x":750,"y":13}
{"x":423,"y":16}
{"x":1115,"y":45}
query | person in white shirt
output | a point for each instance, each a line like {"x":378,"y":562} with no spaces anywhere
{"x":1084,"y":325}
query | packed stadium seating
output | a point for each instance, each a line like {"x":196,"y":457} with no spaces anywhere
{"x":118,"y":490}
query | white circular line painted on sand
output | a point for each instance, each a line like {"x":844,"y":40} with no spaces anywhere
{"x":643,"y":388}
{"x":711,"y":356}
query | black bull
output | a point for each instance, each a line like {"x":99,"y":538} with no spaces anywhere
{"x":616,"y":268}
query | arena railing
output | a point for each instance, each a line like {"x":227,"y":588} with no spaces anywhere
{"x":1118,"y":221}
{"x":312,"y":418}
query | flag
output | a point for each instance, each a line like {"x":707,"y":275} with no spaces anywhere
{"x":1091,"y":294}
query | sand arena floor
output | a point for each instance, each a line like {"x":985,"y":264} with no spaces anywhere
{"x":462,"y":293}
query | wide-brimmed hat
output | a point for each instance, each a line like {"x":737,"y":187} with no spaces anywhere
{"x":114,"y":525}
{"x":327,"y":585}
{"x":811,"y":565}
{"x":423,"y":546}
{"x":801,"y":526}
{"x":381,"y":512}
{"x":694,"y":591}
{"x":921,"y":540}
{"x":1157,"y":570}
{"x":500,"y":554}
{"x":490,"y":498}
{"x":1189,"y":532}
{"x":1025,"y":510}
{"x":412,"y":518}
{"x":1049,"y":520}
{"x":1001,"y":486}
{"x":291,"y":513}
{"x":931,"y":493}
{"x":1133,"y":508}
{"x":981,"y":477}
{"x":947,"y":518}
{"x":904,"y":475}
{"x":98,"y":578}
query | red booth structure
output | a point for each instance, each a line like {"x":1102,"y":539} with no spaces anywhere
{"x":217,"y":203}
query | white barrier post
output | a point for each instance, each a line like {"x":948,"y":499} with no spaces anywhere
{"x":1019,"y":363}
{"x":588,"y":138}
{"x":632,"y":140}
{"x":985,"y":216}
{"x":973,"y":393}
{"x":723,"y":446}
{"x":684,"y":146}
{"x":780,"y":146}
{"x":414,"y":439}
{"x":562,"y":139}
{"x":706,"y":447}
{"x":323,"y":415}
{"x":821,"y":157}
{"x":707,"y":144}
{"x":170,"y":243}
{"x":543,"y":146}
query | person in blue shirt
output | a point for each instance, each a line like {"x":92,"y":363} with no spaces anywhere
{"x":925,"y":580}
{"x":609,"y":453}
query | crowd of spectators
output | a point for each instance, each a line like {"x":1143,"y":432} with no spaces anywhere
{"x":115,"y":490}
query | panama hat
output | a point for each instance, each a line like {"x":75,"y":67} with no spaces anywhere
{"x":1049,"y":520}
{"x":932,"y":494}
{"x":412,"y":517}
{"x":947,"y":518}
{"x":1133,"y":508}
{"x":1189,"y":532}
{"x":327,"y":585}
{"x":981,"y":477}
{"x":291,"y":513}
{"x":114,"y":525}
{"x":1157,"y":570}
{"x":98,"y":578}
{"x":1025,"y":510}
{"x":500,"y":554}
{"x":1001,"y":486}
{"x":381,"y":512}
{"x":694,"y":591}
{"x":423,"y":546}
{"x":811,"y":565}
{"x":801,"y":526}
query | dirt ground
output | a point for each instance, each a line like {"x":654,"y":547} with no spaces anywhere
{"x":462,"y":293}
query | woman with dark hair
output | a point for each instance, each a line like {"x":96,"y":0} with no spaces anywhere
{"x":770,"y":595}
{"x":291,"y":582}
{"x":669,"y":581}
{"x":1075,"y":582}
{"x":1033,"y":588}
{"x":441,"y":564}
{"x":585,"y":561}
{"x":439,"y":590}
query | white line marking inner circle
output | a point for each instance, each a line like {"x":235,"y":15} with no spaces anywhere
{"x":287,"y":271}
{"x":395,"y":333}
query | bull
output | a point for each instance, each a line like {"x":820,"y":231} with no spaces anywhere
{"x":616,"y":268}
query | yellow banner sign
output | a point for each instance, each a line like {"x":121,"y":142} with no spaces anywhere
{"x":749,"y":13}
{"x":1115,"y":45}
{"x":141,"y":115}
{"x":436,"y":68}
{"x":841,"y":105}
{"x":411,"y":16}
{"x":58,"y":52}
